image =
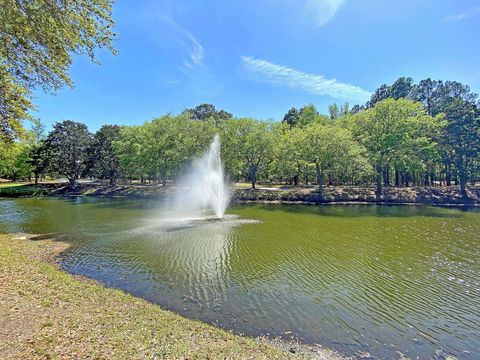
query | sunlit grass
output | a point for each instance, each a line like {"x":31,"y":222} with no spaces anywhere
{"x":12,"y":184}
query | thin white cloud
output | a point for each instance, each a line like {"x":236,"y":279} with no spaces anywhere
{"x":196,"y":51}
{"x":470,"y":13}
{"x":295,"y":79}
{"x":323,"y":10}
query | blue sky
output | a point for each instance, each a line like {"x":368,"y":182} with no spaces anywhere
{"x":260,"y":58}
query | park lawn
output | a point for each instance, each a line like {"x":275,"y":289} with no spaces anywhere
{"x":47,"y":313}
{"x":11,"y":184}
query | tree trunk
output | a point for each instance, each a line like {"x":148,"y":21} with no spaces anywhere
{"x":295,"y":180}
{"x":253,"y":175}
{"x":462,"y":177}
{"x":378,"y":192}
{"x":448,"y":175}
{"x":112,"y":181}
{"x":386,"y":176}
{"x":320,"y":182}
{"x":71,"y":182}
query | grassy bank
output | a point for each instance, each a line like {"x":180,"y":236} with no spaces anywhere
{"x":46,"y":313}
{"x":27,"y":189}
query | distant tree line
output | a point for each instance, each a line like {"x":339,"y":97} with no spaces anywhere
{"x":425,"y":134}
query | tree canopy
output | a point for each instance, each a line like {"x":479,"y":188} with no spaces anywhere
{"x":37,"y":41}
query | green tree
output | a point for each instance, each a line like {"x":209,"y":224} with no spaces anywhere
{"x":66,"y":148}
{"x":247,"y":143}
{"x":14,"y":107}
{"x":287,"y":162}
{"x":131,"y":150}
{"x":37,"y":41}
{"x":104,"y":160}
{"x":392,"y":129}
{"x":292,"y":117}
{"x":337,"y":112}
{"x":331,"y":149}
{"x":462,"y":138}
{"x":206,"y":112}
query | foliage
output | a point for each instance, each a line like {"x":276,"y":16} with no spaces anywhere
{"x":332,"y":150}
{"x":205,"y":112}
{"x":160,"y":149}
{"x":66,"y":148}
{"x":247,"y":147}
{"x":103,"y":161}
{"x":38,"y":39}
{"x":393,"y":131}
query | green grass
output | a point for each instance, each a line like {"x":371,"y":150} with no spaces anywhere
{"x":19,"y":189}
{"x":46,"y":313}
{"x":11,"y":184}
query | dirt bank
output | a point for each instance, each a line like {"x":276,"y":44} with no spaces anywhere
{"x":339,"y":194}
{"x":410,"y":195}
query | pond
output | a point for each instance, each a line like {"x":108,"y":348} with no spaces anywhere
{"x":379,"y":279}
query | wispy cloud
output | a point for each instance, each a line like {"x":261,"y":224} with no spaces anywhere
{"x":470,"y":13}
{"x":195,"y":50}
{"x":295,"y":79}
{"x":323,"y":10}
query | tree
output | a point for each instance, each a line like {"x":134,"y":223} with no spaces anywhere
{"x":66,"y":148}
{"x":331,"y":149}
{"x":37,"y":157}
{"x":337,"y":112}
{"x":249,"y":143}
{"x":162,"y":148}
{"x":309,"y":114}
{"x":402,"y":88}
{"x":292,"y":117}
{"x":131,"y":150}
{"x":425,"y":92}
{"x":37,"y":41}
{"x":390,"y":130}
{"x":462,"y":137}
{"x":206,"y":112}
{"x":38,"y":160}
{"x":104,"y":160}
{"x":14,"y":106}
{"x":287,"y":162}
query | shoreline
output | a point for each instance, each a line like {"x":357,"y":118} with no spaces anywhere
{"x":340,"y":195}
{"x":40,"y":300}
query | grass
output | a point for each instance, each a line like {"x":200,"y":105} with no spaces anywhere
{"x":46,"y":313}
{"x":11,"y":184}
{"x":26,"y":189}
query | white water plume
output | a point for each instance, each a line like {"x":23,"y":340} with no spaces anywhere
{"x":204,"y":188}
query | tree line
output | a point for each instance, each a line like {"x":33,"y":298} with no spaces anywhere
{"x":425,"y":134}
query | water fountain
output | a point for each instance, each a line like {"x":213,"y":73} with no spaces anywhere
{"x":204,"y":188}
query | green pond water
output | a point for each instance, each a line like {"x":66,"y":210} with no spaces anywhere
{"x":376,"y":279}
